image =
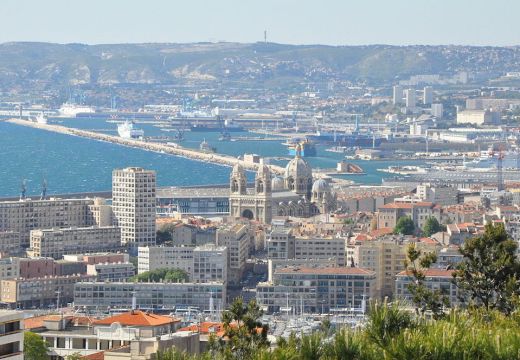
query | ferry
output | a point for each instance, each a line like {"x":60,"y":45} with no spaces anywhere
{"x":128,"y":131}
{"x":72,"y":110}
{"x":305,"y":147}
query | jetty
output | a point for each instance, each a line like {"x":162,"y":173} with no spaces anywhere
{"x":175,"y":149}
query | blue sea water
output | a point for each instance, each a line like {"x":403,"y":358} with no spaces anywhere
{"x":74,"y":164}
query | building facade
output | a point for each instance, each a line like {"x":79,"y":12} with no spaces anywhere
{"x":133,"y":205}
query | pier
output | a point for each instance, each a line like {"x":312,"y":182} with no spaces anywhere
{"x":149,"y":146}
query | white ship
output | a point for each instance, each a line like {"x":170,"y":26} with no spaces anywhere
{"x":41,"y":118}
{"x":71,"y":110}
{"x":126,"y":130}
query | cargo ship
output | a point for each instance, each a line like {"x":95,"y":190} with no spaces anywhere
{"x":305,"y":147}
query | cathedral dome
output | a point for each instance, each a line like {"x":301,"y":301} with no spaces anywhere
{"x":320,"y":186}
{"x":298,"y":168}
{"x":277,"y":184}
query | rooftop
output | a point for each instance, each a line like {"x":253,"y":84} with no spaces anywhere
{"x":325,"y":270}
{"x":137,"y":318}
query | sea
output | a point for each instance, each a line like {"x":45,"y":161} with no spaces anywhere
{"x":70,"y":164}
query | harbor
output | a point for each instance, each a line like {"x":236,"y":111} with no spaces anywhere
{"x":150,"y":146}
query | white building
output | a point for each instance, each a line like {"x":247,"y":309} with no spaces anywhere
{"x":437,"y":110}
{"x":427,"y":95}
{"x":11,"y":335}
{"x":58,"y":242}
{"x":478,"y":117}
{"x":410,"y":99}
{"x":237,"y":239}
{"x":111,"y":271}
{"x":133,"y":203}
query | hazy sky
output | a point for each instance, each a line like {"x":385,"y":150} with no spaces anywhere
{"x":337,"y":22}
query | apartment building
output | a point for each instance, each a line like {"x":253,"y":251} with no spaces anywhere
{"x":11,"y":335}
{"x":111,"y":271}
{"x":58,"y":242}
{"x":419,"y":212}
{"x":101,"y":295}
{"x":320,"y":248}
{"x":151,"y":258}
{"x":133,"y":205}
{"x":280,"y":244}
{"x":10,"y":243}
{"x":236,"y":238}
{"x":316,"y":290}
{"x":435,"y":279}
{"x":40,"y":292}
{"x":208,"y":262}
{"x":22,"y":216}
{"x":441,"y":195}
{"x":386,"y":258}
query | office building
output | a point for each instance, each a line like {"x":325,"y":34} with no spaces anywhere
{"x":58,"y":242}
{"x":133,"y":205}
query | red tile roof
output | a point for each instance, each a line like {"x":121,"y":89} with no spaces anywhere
{"x":95,"y":356}
{"x":137,"y":318}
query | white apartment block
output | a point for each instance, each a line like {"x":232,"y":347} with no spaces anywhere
{"x":316,"y":290}
{"x":11,"y":335}
{"x":151,"y":258}
{"x":101,"y":295}
{"x":58,"y":242}
{"x":206,"y":263}
{"x":111,"y":271}
{"x":133,"y":205}
{"x":237,"y":239}
{"x":22,"y":216}
{"x":320,"y":248}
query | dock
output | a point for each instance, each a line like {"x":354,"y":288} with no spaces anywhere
{"x":193,"y":154}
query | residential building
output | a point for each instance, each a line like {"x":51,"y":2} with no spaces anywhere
{"x":40,"y":292}
{"x":410,"y":99}
{"x":437,"y":111}
{"x":11,"y":335}
{"x":210,"y":264}
{"x":320,"y":248}
{"x":165,"y":257}
{"x":111,"y":271}
{"x":10,"y":243}
{"x":397,"y":95}
{"x":58,"y":242}
{"x":280,"y":243}
{"x":419,"y":212}
{"x":427,"y":95}
{"x":313,"y":290}
{"x":167,"y":295}
{"x":435,"y":279}
{"x":237,"y":239}
{"x":441,"y":195}
{"x":133,"y":205}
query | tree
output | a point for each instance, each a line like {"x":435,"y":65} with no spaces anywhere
{"x":431,"y":226}
{"x":35,"y":348}
{"x":74,"y":356}
{"x":404,"y":226}
{"x":423,"y":298}
{"x":243,"y":332}
{"x":162,"y":274}
{"x":490,"y":271}
{"x":164,"y":234}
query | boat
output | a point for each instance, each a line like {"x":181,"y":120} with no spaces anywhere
{"x":206,"y":147}
{"x":41,"y":118}
{"x":72,"y":110}
{"x":354,"y":139}
{"x":225,"y":136}
{"x":304,"y":147}
{"x":128,"y":131}
{"x":207,"y":128}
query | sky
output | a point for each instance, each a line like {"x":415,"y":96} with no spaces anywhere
{"x":332,"y":22}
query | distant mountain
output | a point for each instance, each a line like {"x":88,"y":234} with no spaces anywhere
{"x":44,"y":64}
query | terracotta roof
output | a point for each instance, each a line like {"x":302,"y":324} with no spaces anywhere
{"x":205,"y":327}
{"x":325,"y":270}
{"x":95,"y":356}
{"x":428,"y":240}
{"x":406,"y":205}
{"x":137,"y":318}
{"x":381,"y":232}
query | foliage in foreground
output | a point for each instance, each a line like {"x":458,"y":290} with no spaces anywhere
{"x":35,"y":348}
{"x":392,"y":333}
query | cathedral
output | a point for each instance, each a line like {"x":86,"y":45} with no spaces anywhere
{"x":296,"y":194}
